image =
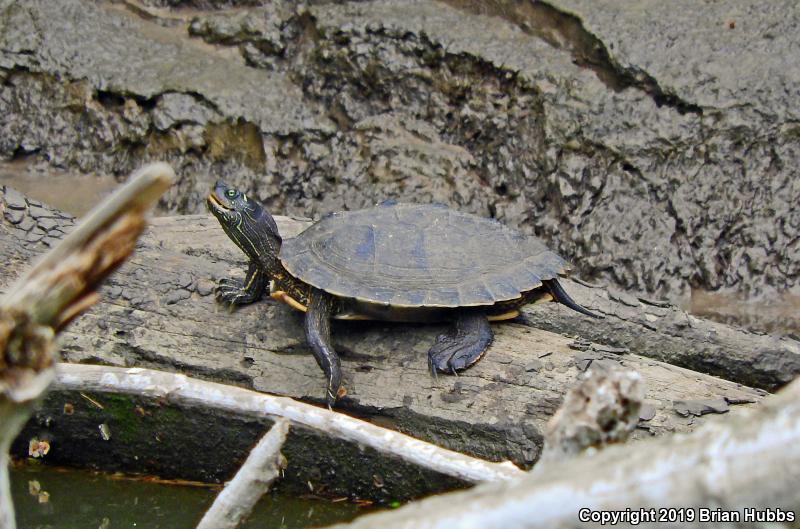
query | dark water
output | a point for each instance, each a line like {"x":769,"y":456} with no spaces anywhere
{"x":45,"y":497}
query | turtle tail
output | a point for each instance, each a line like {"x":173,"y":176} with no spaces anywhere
{"x":560,"y":295}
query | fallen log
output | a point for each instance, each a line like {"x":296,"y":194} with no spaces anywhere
{"x":667,"y":333}
{"x":725,"y":471}
{"x":159,"y":312}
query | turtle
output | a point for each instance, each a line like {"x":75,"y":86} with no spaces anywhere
{"x":393,"y":262}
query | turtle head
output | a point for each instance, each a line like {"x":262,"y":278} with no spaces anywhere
{"x":246,"y":222}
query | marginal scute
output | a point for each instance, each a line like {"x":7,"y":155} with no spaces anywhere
{"x":522,"y":277}
{"x":474,"y":293}
{"x":503,"y":289}
{"x":414,"y":297}
{"x":409,"y":255}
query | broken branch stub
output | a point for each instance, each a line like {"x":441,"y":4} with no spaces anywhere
{"x":263,"y":465}
{"x":603,"y":408}
{"x":56,"y":290}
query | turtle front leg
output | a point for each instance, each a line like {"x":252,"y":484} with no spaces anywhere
{"x":462,"y":346}
{"x":318,"y":334}
{"x":237,"y":292}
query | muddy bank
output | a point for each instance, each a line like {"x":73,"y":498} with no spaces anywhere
{"x":657,"y":147}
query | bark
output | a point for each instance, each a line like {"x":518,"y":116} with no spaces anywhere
{"x":751,"y":461}
{"x":263,"y":466}
{"x":159,"y":312}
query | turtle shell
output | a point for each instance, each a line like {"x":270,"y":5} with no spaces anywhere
{"x":410,"y":255}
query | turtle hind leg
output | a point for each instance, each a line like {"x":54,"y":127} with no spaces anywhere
{"x":318,"y":334}
{"x":235,"y":292}
{"x":463,"y":345}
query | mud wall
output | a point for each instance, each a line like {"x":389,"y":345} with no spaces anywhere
{"x":657,"y":147}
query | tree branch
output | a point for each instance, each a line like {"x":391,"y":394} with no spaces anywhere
{"x":264,"y":465}
{"x":189,"y":391}
{"x":52,"y":293}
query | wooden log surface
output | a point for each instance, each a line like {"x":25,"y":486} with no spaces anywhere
{"x":159,"y":311}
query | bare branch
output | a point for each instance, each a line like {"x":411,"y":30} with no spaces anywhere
{"x":253,"y":480}
{"x":56,"y":290}
{"x":189,"y":391}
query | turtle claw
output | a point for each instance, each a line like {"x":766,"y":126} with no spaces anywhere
{"x":228,"y":291}
{"x":432,"y":368}
{"x":232,"y":292}
{"x":334,"y":388}
{"x":462,"y":346}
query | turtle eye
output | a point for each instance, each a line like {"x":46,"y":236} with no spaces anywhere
{"x":231,"y":193}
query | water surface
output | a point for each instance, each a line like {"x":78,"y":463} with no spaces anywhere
{"x":72,"y":193}
{"x":775,"y":314}
{"x":54,"y":498}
